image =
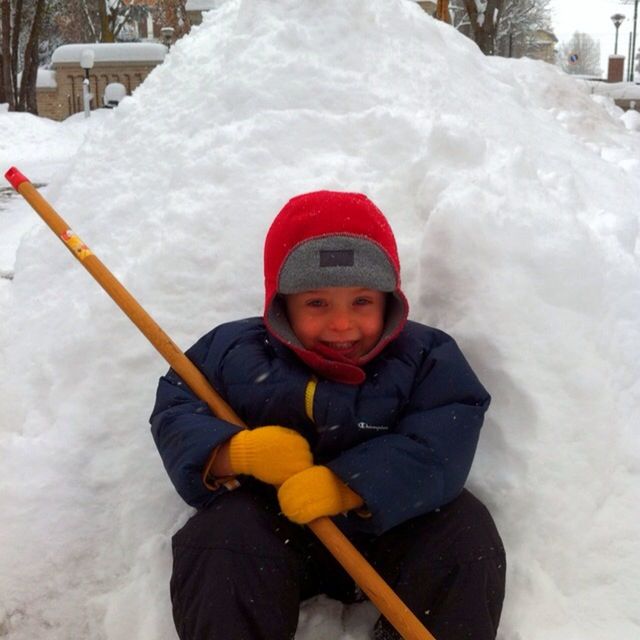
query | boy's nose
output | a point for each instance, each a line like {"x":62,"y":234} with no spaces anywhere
{"x":340,"y":321}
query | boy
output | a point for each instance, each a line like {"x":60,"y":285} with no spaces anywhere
{"x":353,"y":412}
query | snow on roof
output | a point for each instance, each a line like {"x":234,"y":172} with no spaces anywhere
{"x":202,"y":5}
{"x":46,"y":79}
{"x":545,"y":36}
{"x":616,"y":90}
{"x":111,"y":52}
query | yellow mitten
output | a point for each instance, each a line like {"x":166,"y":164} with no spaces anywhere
{"x":316,"y":492}
{"x":271,"y":454}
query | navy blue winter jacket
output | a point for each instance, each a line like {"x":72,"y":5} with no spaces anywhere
{"x":404,"y":439}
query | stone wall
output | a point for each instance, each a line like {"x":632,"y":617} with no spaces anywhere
{"x":66,"y":99}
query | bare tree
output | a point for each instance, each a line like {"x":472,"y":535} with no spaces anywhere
{"x":17,"y":27}
{"x":519,"y":24}
{"x":106,"y":20}
{"x":7,"y":86}
{"x":580,"y":55}
{"x":501,"y":27}
{"x":459,"y":17}
{"x":20,"y":25}
{"x":442,"y":11}
{"x":27,"y":97}
{"x":484,"y":17}
{"x":478,"y":20}
{"x":172,"y":13}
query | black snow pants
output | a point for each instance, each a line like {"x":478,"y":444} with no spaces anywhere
{"x":240,"y":570}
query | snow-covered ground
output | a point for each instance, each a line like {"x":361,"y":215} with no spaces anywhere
{"x":515,"y":198}
{"x":43,"y":148}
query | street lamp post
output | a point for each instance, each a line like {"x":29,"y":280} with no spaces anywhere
{"x":632,"y":57}
{"x":617,"y":19}
{"x":86,"y":62}
{"x":167,"y":36}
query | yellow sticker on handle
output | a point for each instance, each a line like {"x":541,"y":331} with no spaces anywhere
{"x":75,"y":245}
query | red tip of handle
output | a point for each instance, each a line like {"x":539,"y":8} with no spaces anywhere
{"x":15,"y":177}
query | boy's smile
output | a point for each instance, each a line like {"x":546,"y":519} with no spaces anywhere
{"x":348,"y":320}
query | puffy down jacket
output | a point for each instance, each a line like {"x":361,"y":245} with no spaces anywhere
{"x":404,"y":439}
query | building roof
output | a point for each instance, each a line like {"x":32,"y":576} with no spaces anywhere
{"x":202,"y":5}
{"x":542,"y":35}
{"x":111,"y":52}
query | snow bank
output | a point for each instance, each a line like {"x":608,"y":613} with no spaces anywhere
{"x":41,"y":148}
{"x":23,"y":137}
{"x":626,"y":90}
{"x":515,"y":201}
{"x":631,"y":120}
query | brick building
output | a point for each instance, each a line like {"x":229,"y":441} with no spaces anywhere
{"x":543,"y":47}
{"x":196,"y":7}
{"x":59,"y":89}
{"x":429,"y":6}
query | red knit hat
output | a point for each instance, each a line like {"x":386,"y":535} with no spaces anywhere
{"x":331,"y":239}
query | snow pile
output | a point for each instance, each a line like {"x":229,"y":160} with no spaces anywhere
{"x":514,"y":197}
{"x":631,"y":120}
{"x":628,"y":90}
{"x":23,"y":137}
{"x":41,"y":148}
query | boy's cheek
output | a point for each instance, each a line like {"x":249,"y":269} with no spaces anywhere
{"x":306,"y":335}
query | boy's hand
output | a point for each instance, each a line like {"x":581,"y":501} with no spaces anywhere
{"x":316,"y":492}
{"x":271,"y":454}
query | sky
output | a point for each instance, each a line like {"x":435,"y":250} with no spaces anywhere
{"x":518,"y":233}
{"x":594,"y":18}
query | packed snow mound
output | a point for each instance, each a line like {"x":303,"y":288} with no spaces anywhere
{"x":41,"y":148}
{"x":631,"y":120}
{"x":24,"y":136}
{"x":514,"y":197}
{"x":22,"y":130}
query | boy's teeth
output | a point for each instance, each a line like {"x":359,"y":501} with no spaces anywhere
{"x":341,"y":345}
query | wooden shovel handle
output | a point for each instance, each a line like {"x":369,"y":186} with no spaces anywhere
{"x":378,"y":591}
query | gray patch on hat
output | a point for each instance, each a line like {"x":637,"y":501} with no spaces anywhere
{"x":336,"y":261}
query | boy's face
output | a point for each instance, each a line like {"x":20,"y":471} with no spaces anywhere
{"x":349,"y":320}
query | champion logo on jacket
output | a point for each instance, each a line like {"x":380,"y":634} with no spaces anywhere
{"x":372,"y":427}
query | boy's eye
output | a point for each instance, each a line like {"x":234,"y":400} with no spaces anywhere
{"x":362,"y":301}
{"x":314,"y":302}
